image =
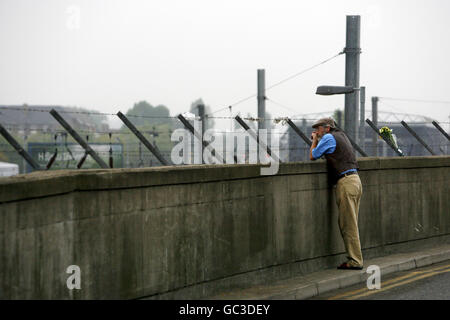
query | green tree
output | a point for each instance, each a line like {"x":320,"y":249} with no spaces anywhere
{"x":143,"y":113}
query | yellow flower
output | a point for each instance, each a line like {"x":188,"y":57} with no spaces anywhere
{"x":385,"y":130}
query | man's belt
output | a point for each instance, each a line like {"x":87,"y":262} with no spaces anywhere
{"x":347,"y":174}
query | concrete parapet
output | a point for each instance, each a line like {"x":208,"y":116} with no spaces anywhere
{"x":196,"y":231}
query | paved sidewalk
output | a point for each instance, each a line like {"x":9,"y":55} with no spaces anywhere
{"x":316,"y":283}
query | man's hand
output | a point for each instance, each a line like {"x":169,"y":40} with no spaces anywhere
{"x":314,"y":137}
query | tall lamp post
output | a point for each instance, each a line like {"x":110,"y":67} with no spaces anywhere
{"x":351,"y":90}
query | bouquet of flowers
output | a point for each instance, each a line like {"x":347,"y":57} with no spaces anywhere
{"x":387,"y":135}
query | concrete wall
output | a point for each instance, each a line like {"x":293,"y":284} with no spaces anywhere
{"x":194,"y":231}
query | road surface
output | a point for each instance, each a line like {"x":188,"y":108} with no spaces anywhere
{"x":427,"y":283}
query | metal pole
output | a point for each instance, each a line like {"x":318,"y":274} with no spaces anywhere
{"x":197,"y":135}
{"x":55,"y":154}
{"x":414,"y":134}
{"x":261,"y":102}
{"x":231,"y":118}
{"x":25,"y":136}
{"x":201,"y":114}
{"x":299,"y":132}
{"x":138,"y":134}
{"x":362,"y":116}
{"x":387,"y":141}
{"x":440,"y":129}
{"x":111,"y":160}
{"x":141,"y":162}
{"x":305,"y":149}
{"x":80,"y":163}
{"x":261,"y":98}
{"x":77,"y":137}
{"x":375,"y":122}
{"x":339,"y":118}
{"x":18,"y":148}
{"x":352,"y":54}
{"x":25,"y":146}
{"x":255,"y":136}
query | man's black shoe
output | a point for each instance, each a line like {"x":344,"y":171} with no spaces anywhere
{"x":346,"y":266}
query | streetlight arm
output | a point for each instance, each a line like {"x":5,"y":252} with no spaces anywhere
{"x":331,"y":90}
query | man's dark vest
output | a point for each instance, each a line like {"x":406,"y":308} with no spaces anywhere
{"x":343,"y":157}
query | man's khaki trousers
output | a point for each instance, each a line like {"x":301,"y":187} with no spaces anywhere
{"x":348,"y":194}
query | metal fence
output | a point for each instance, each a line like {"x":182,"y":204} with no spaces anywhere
{"x":69,"y":147}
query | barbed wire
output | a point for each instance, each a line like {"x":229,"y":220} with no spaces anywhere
{"x":147,"y":153}
{"x":113,"y":133}
{"x":430,"y":142}
{"x":58,"y":110}
{"x":94,"y":139}
{"x":412,"y":122}
{"x":150,"y":117}
{"x":161,"y":133}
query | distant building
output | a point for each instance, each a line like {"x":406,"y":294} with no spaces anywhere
{"x":28,"y":119}
{"x":24,"y":121}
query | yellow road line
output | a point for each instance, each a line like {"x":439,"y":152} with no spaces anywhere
{"x":409,"y":275}
{"x":427,"y":275}
{"x":351,"y":293}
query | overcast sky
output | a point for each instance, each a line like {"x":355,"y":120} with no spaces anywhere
{"x":107,"y":55}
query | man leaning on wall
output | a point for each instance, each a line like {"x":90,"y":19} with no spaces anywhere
{"x":332,"y":143}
